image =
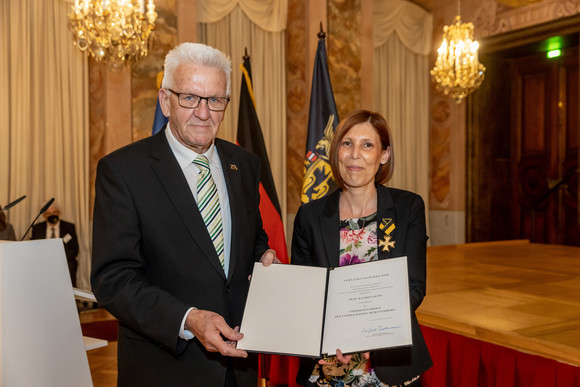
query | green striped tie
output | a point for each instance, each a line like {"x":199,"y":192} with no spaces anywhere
{"x":209,"y":205}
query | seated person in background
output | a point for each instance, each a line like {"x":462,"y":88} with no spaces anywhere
{"x":6,"y":229}
{"x":54,"y":227}
{"x":365,"y":221}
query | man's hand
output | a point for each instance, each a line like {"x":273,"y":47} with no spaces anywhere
{"x":269,"y":257}
{"x":210,"y":329}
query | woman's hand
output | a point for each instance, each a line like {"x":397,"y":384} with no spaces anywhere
{"x":344,"y":359}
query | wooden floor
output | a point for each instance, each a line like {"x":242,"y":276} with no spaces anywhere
{"x":102,"y":361}
{"x":516,"y":294}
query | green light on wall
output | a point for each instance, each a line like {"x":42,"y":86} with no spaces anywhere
{"x":554,"y":43}
{"x":553,"y":46}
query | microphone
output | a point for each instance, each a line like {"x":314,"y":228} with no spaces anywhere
{"x":13,"y":203}
{"x":43,"y":209}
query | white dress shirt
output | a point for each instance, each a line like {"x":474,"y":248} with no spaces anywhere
{"x":185,"y":157}
{"x":50,"y":227}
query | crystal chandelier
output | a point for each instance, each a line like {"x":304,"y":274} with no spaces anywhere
{"x":113,"y":31}
{"x":457,"y":71}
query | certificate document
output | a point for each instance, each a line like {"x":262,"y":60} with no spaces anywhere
{"x":313,"y":311}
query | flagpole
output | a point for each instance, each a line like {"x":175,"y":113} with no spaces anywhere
{"x":321,"y":34}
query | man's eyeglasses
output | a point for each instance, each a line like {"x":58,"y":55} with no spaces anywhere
{"x":191,"y":101}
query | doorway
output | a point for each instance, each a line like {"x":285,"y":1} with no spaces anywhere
{"x":523,"y":131}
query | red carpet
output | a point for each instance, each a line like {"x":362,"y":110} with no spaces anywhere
{"x":105,"y":330}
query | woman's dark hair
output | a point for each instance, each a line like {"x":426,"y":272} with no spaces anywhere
{"x":378,"y":122}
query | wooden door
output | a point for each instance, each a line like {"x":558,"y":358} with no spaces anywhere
{"x":544,"y":149}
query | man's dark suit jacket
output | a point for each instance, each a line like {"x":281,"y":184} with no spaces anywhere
{"x":153,"y":259}
{"x":316,"y":242}
{"x":71,"y":247}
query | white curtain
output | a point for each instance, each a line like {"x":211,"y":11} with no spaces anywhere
{"x":270,"y":15}
{"x":402,"y":39}
{"x":259,"y":26}
{"x":44,"y":111}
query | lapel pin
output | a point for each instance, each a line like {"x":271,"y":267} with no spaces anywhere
{"x":233,"y":167}
{"x":387,"y":225}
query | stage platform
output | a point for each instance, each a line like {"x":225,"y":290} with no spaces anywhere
{"x":515,"y":294}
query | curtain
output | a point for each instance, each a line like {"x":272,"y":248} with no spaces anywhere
{"x":44,"y":128}
{"x":402,"y":39}
{"x":462,"y":361}
{"x":270,"y":15}
{"x":238,"y":29}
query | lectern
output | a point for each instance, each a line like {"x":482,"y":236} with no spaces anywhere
{"x":41,"y":342}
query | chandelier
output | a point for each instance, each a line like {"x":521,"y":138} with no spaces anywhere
{"x":457,"y":71}
{"x":113,"y":31}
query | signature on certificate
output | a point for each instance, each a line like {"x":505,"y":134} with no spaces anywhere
{"x":379,"y":328}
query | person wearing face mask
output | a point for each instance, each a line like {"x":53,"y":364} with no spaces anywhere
{"x":54,"y":227}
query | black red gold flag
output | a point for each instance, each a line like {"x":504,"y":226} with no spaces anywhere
{"x":250,"y":137}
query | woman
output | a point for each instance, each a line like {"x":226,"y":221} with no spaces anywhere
{"x":6,"y":229}
{"x":365,"y":221}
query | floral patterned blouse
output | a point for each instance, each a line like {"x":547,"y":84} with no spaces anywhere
{"x":358,"y":243}
{"x":358,"y":240}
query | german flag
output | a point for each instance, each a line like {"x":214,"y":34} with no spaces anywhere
{"x":250,"y":137}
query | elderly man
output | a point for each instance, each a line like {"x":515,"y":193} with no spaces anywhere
{"x":54,"y":227}
{"x":177,"y":229}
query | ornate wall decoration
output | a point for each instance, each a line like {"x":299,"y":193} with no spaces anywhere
{"x":143,"y":74}
{"x":344,"y":51}
{"x":97,"y":123}
{"x":297,"y":98}
{"x":497,"y":16}
{"x":440,"y":152}
{"x":517,"y":3}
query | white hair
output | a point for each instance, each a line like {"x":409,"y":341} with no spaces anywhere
{"x":196,"y":53}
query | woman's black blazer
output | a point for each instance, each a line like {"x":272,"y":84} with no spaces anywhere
{"x":316,"y":242}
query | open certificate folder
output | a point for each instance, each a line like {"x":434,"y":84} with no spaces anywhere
{"x":313,"y":311}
